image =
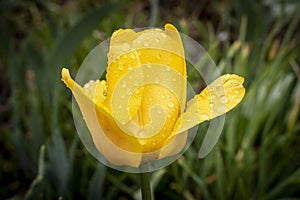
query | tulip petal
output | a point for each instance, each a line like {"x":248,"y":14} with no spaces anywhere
{"x":139,"y":65}
{"x":107,"y":137}
{"x":216,"y":99}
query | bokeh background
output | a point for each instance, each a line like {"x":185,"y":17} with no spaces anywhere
{"x":258,"y":154}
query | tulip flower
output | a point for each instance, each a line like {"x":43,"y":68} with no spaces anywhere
{"x":139,"y":113}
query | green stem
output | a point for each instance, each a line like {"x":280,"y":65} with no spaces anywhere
{"x":145,"y":186}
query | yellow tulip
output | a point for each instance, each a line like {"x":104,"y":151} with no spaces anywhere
{"x":138,"y":114}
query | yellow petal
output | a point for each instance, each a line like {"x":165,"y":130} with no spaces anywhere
{"x":148,"y":59}
{"x":117,"y":147}
{"x":219,"y":97}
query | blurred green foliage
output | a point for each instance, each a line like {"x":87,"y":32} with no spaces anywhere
{"x":258,"y":154}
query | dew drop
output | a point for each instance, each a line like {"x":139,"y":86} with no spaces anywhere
{"x":132,"y":56}
{"x":125,"y":47}
{"x":121,"y":66}
{"x":157,"y":40}
{"x":150,"y":99}
{"x":87,"y":85}
{"x":149,"y":65}
{"x":221,"y":109}
{"x":163,"y":35}
{"x":163,"y":97}
{"x":146,"y":43}
{"x":128,"y":91}
{"x":158,"y":56}
{"x":236,"y":99}
{"x":211,"y":104}
{"x":189,"y":120}
{"x":136,"y":83}
{"x":236,"y":91}
{"x":213,"y":96}
{"x":156,"y":80}
{"x":171,"y":104}
{"x":124,"y":84}
{"x":168,"y":68}
{"x":223,"y":99}
{"x":204,"y":117}
{"x":169,"y":115}
{"x":120,"y":106}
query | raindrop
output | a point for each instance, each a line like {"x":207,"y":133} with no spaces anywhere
{"x":126,"y":47}
{"x":163,"y":35}
{"x":128,"y":91}
{"x":236,"y":99}
{"x":121,"y":66}
{"x":157,"y":40}
{"x":136,"y":83}
{"x":146,"y":43}
{"x":204,"y":117}
{"x":168,"y":68}
{"x":156,"y":80}
{"x":221,"y":109}
{"x":87,"y":85}
{"x":189,"y":120}
{"x":124,"y":84}
{"x":148,"y":65}
{"x":171,"y":104}
{"x":223,"y":99}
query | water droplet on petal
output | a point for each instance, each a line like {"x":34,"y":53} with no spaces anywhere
{"x":163,"y":35}
{"x":150,"y":99}
{"x":211,"y":104}
{"x":236,"y":99}
{"x":213,"y":96}
{"x":128,"y":91}
{"x":171,"y":104}
{"x":169,"y":115}
{"x":157,"y":40}
{"x":158,"y":56}
{"x":223,"y":99}
{"x":121,"y":66}
{"x":132,"y":56}
{"x":163,"y":97}
{"x":236,"y":91}
{"x":204,"y":117}
{"x":124,"y":84}
{"x":126,"y":47}
{"x":156,"y":80}
{"x":168,"y":68}
{"x":221,"y":109}
{"x":149,"y":65}
{"x":135,"y":82}
{"x":146,"y":43}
